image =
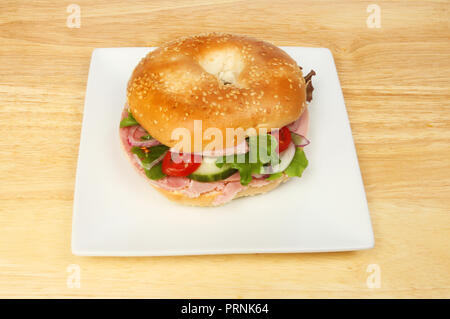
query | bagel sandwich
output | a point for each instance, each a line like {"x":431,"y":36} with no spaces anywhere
{"x":205,"y":86}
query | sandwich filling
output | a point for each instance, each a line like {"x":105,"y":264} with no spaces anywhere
{"x":225,"y":174}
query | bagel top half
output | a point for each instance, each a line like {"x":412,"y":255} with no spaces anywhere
{"x":224,"y":80}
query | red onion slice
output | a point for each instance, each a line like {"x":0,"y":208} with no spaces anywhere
{"x":285,"y":159}
{"x":134,"y":135}
{"x":299,"y":140}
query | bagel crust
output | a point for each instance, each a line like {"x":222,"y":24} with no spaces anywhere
{"x":224,"y":80}
{"x":207,"y":199}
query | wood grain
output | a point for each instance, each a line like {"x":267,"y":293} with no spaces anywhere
{"x":396,"y":85}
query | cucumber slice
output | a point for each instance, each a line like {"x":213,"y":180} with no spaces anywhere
{"x":209,"y":172}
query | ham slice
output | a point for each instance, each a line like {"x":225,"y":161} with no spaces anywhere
{"x":195,"y":188}
{"x":228,"y":193}
{"x":259,"y":182}
{"x":123,"y":132}
{"x":233,"y":178}
{"x":173,"y":183}
{"x":139,"y":132}
{"x":301,"y":125}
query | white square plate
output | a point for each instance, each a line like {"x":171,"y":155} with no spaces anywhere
{"x":117,"y":213}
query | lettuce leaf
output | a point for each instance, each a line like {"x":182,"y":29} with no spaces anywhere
{"x":245,"y":167}
{"x":128,"y":121}
{"x":274,"y":176}
{"x":147,"y":137}
{"x":298,"y":164}
{"x":248,"y":165}
{"x":155,"y":172}
{"x":153,"y":153}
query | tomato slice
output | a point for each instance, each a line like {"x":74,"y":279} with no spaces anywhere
{"x":284,"y":139}
{"x":182,"y":166}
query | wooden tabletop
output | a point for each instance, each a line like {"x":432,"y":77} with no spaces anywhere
{"x":394,"y":72}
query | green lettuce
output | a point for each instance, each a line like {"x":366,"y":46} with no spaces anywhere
{"x":248,"y":167}
{"x":245,"y":167}
{"x":128,"y":121}
{"x":252,"y":162}
{"x":298,"y":164}
{"x":154,"y":152}
{"x":147,"y":137}
{"x":274,"y":176}
{"x":155,"y":172}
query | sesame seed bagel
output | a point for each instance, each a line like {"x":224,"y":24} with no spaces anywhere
{"x":224,"y":80}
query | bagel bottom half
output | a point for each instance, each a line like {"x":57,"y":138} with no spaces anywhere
{"x":207,"y":199}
